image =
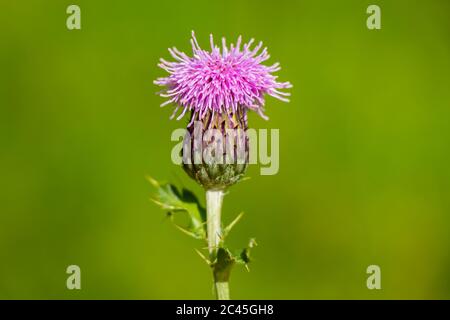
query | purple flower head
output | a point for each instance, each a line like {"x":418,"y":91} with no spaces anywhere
{"x":220,"y":81}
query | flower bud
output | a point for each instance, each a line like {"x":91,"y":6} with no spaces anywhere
{"x":216,"y":149}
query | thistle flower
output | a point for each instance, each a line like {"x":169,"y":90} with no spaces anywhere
{"x":218,"y":88}
{"x":220,"y":81}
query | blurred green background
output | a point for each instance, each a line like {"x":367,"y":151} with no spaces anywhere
{"x":364,"y":151}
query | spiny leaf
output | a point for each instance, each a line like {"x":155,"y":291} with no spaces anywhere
{"x":169,"y":198}
{"x":195,"y":235}
{"x":228,"y":228}
{"x":152,"y":181}
{"x":203,"y":256}
{"x":244,"y":256}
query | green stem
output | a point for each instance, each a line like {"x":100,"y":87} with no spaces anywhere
{"x":222,"y":290}
{"x":214,"y":199}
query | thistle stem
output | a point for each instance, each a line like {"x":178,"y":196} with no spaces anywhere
{"x":222,"y":290}
{"x":214,"y":199}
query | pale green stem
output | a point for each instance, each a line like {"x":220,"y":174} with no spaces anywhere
{"x":222,"y":290}
{"x":214,"y":199}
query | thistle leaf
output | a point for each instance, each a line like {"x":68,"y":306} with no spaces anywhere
{"x":203,"y":257}
{"x":228,"y":228}
{"x":243,"y":257}
{"x":170,"y":199}
{"x":195,"y":235}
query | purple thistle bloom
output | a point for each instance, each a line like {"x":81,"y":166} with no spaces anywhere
{"x":220,"y":81}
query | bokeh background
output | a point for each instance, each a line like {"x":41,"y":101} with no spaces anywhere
{"x":364,"y":162}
